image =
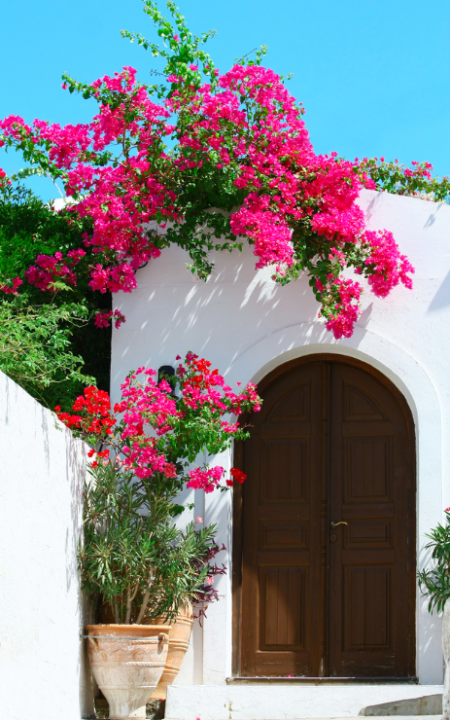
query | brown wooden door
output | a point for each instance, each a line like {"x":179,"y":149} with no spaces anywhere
{"x":333,"y":443}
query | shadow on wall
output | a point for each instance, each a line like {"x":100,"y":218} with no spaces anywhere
{"x":442,"y":298}
{"x":172,"y":312}
{"x":75,"y":470}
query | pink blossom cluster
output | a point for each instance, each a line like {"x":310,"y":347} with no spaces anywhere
{"x":346,"y":309}
{"x":11,"y":289}
{"x":387,"y":266}
{"x":380,"y":260}
{"x":102,"y":320}
{"x":15,"y":127}
{"x":207,"y":480}
{"x":51,"y":268}
{"x":418,"y":170}
{"x":3,"y":176}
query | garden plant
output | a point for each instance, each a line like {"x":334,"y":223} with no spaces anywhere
{"x":435,"y":582}
{"x":136,"y":564}
{"x":48,"y":341}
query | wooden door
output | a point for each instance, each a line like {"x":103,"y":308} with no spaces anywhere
{"x":333,"y":443}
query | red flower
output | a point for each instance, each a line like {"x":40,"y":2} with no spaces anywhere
{"x":238,"y":475}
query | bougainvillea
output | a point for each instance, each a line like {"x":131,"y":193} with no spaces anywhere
{"x":204,"y":160}
{"x":416,"y":181}
{"x":159,"y":435}
{"x":103,"y":319}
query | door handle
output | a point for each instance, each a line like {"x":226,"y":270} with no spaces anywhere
{"x":341,"y":522}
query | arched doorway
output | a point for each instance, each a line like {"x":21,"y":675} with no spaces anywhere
{"x":333,"y":443}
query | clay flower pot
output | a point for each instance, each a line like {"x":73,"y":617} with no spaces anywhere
{"x":179,"y":636}
{"x":127,"y":662}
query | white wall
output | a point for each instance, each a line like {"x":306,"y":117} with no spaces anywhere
{"x":246,"y":325}
{"x":42,"y":669}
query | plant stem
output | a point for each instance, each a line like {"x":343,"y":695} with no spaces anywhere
{"x":130,"y":602}
{"x":115,"y":608}
{"x":146,"y":598}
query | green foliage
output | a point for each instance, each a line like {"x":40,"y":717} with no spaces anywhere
{"x":436,"y":582}
{"x":29,"y":227}
{"x":134,"y":559}
{"x":395,"y":178}
{"x":178,"y":55}
{"x":49,"y":343}
{"x":36,"y":348}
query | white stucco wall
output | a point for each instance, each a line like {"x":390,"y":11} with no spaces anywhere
{"x":246,"y":325}
{"x":42,"y":671}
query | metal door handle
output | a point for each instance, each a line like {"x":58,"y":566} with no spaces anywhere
{"x":341,"y":522}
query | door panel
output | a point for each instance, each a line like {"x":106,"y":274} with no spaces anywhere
{"x":370,"y":585}
{"x":282,"y":633}
{"x":332,"y":442}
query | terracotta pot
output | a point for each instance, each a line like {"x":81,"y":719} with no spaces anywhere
{"x":127,"y":662}
{"x":179,"y":636}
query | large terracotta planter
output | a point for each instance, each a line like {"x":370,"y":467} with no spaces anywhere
{"x":179,"y":636}
{"x":127,"y":662}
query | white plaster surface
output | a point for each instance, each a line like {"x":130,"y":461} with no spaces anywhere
{"x":283,"y":702}
{"x":42,"y":670}
{"x":246,"y":326}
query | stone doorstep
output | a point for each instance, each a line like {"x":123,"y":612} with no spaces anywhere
{"x":419,"y":706}
{"x":298,"y":702}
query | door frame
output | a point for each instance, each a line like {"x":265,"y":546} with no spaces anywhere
{"x":237,"y":555}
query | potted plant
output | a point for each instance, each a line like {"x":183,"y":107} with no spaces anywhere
{"x":435,"y":582}
{"x":138,"y":568}
{"x":136,"y":565}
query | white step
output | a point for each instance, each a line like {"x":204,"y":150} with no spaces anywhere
{"x":287,"y":702}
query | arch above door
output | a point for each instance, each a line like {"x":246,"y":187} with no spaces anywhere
{"x":334,"y":443}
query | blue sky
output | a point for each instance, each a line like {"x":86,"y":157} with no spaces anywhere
{"x":374,"y":77}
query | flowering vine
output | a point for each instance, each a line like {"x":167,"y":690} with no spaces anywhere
{"x":393,"y":177}
{"x":204,"y":160}
{"x":158,"y":435}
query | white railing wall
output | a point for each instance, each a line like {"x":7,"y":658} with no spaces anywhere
{"x":42,"y":467}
